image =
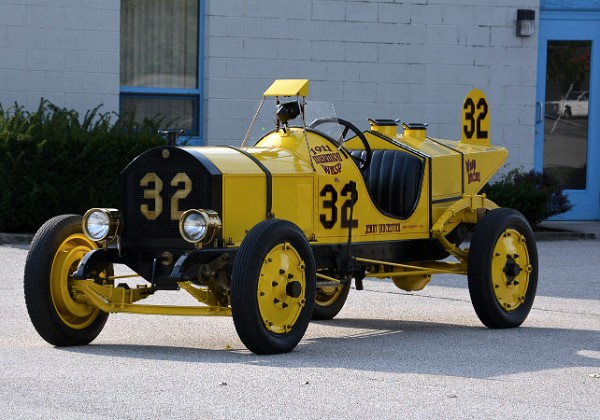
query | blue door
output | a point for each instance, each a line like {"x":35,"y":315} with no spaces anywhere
{"x":567,"y":143}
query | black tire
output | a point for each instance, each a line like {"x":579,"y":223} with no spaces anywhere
{"x":330,"y":301}
{"x":261,"y":287}
{"x":503,"y":269}
{"x":56,"y":249}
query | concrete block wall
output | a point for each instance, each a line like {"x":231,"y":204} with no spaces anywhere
{"x":66,"y":51}
{"x":413,"y":60}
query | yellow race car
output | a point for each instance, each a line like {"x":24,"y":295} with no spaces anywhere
{"x":274,"y":233}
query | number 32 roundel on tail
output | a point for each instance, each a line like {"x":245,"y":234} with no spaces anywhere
{"x":475,"y":119}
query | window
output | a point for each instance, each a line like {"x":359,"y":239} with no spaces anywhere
{"x":161,"y":62}
{"x":566,"y":132}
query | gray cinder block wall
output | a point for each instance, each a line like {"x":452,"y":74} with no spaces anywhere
{"x":66,"y":51}
{"x":413,"y":60}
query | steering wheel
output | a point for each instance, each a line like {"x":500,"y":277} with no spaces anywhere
{"x":348,"y":126}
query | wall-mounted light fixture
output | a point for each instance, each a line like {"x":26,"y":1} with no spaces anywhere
{"x":525,"y":22}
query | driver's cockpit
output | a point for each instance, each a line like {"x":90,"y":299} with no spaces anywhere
{"x":394,"y":180}
{"x":393,"y":176}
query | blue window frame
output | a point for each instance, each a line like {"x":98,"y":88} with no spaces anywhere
{"x":161,"y":75}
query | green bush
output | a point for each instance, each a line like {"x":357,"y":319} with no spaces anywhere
{"x":537,"y":195}
{"x":52,"y":161}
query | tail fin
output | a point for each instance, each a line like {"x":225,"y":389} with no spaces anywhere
{"x":476,"y":119}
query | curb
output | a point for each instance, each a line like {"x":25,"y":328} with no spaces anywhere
{"x":15,"y":238}
{"x":563,"y":235}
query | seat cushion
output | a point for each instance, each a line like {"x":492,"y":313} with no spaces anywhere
{"x":394,"y":180}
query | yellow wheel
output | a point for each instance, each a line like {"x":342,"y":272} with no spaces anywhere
{"x":502,"y":269}
{"x":55,"y":253}
{"x":273,"y":287}
{"x":330,"y":300}
{"x":281,"y":288}
{"x":67,"y":257}
{"x":510,"y":269}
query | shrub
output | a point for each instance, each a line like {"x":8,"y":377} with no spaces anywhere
{"x":537,"y":195}
{"x":54,"y":162}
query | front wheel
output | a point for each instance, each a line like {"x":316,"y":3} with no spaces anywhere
{"x":503,"y":269}
{"x":273,"y":287}
{"x":55,"y":252}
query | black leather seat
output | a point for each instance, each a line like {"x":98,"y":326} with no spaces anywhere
{"x":394,"y":180}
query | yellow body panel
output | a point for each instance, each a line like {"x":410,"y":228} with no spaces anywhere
{"x":375,"y":141}
{"x":457,"y":167}
{"x":244,"y":204}
{"x":230,"y":161}
{"x":446,"y":177}
{"x":334,"y":170}
{"x":480,"y":163}
{"x":293,"y":200}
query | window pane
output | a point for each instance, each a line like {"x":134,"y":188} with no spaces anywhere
{"x":566,"y":119}
{"x":176,"y":113}
{"x":159,"y":43}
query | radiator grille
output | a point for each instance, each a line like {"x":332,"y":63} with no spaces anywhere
{"x":137,"y":226}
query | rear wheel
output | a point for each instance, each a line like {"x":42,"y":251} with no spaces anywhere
{"x":273,"y":287}
{"x":503,"y":269}
{"x":55,"y":253}
{"x":330,"y":300}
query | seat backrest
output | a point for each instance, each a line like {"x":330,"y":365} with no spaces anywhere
{"x":394,"y":180}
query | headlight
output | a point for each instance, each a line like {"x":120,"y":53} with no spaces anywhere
{"x":101,"y":224}
{"x":199,"y":226}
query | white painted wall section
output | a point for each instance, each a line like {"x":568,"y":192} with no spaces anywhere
{"x":413,"y":60}
{"x":66,"y":51}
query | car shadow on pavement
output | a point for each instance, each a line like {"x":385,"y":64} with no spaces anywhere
{"x":458,"y":350}
{"x":397,"y":346}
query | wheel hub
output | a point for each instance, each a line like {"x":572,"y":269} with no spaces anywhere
{"x":281,"y":288}
{"x":293,"y":289}
{"x":510,"y":269}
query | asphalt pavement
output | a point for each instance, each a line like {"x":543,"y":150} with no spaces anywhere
{"x":389,"y":354}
